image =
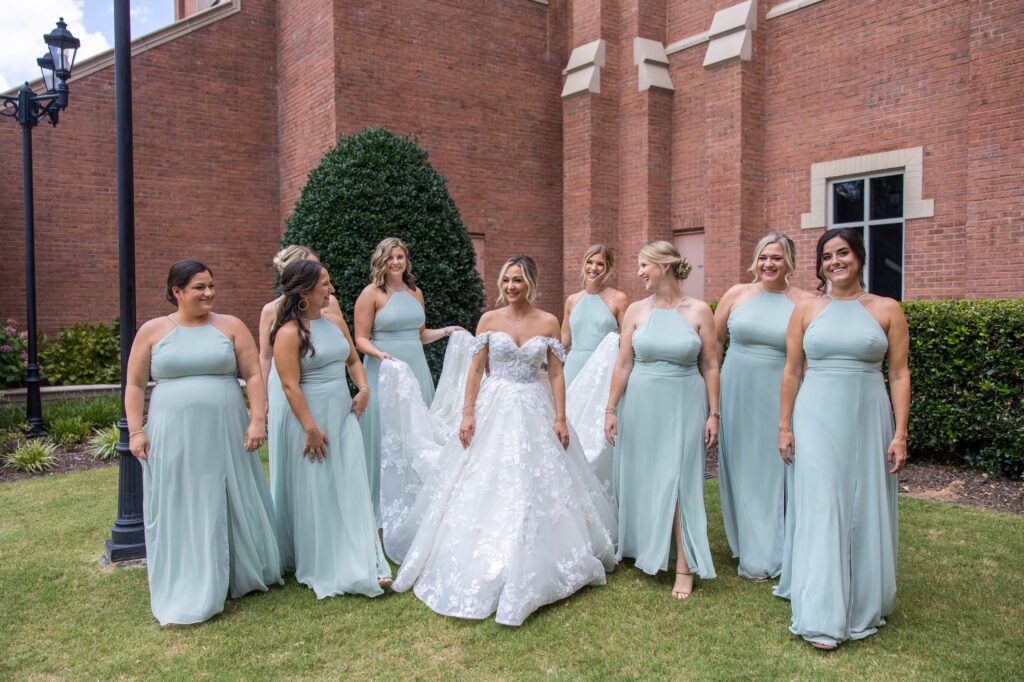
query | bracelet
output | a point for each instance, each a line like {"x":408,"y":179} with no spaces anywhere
{"x":470,"y":408}
{"x":362,"y":387}
{"x":611,"y":409}
{"x":135,"y":433}
{"x":447,"y":331}
{"x":716,"y":413}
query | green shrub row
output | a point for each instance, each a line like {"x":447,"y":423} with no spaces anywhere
{"x":967,"y":378}
{"x":81,"y":354}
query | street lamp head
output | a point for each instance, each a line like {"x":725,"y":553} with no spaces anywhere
{"x":63,"y":47}
{"x":46,"y":67}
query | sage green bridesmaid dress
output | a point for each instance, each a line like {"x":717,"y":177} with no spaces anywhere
{"x":844,"y":531}
{"x":396,"y":331}
{"x":325,"y":516}
{"x":207,"y":509}
{"x":658,"y":463}
{"x":751,"y":474}
{"x":590,"y":321}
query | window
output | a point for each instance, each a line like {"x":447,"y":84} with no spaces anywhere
{"x":873,"y":205}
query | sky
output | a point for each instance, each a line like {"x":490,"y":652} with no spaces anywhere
{"x":23,"y":23}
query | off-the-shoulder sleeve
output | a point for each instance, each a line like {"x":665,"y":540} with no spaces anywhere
{"x":556,"y":347}
{"x":479,"y":342}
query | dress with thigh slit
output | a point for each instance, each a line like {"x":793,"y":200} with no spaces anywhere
{"x":659,"y":455}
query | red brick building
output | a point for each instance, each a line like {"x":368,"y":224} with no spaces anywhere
{"x":557,"y":124}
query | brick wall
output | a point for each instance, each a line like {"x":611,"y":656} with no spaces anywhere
{"x":205,"y":179}
{"x":225,"y":137}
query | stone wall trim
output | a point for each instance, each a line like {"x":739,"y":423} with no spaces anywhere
{"x":910,"y":161}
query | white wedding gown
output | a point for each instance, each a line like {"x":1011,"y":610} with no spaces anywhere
{"x":509,"y":524}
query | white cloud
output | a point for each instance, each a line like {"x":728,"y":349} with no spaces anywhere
{"x":22,"y":25}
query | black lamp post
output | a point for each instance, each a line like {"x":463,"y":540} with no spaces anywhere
{"x":28,"y":109}
{"x":127,"y":539}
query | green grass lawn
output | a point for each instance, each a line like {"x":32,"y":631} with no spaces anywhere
{"x":960,"y":613}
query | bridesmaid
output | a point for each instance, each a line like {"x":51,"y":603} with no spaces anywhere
{"x":754,"y":316}
{"x":288,"y":254}
{"x":844,"y":448}
{"x":322,"y":498}
{"x":593,"y":313}
{"x":209,"y":518}
{"x":669,"y":357}
{"x":390,"y":324}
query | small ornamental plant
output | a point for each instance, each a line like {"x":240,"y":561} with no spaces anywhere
{"x":32,"y":456}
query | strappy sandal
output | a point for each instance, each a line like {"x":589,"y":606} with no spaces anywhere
{"x":823,"y":646}
{"x":385,"y":581}
{"x":680,"y":594}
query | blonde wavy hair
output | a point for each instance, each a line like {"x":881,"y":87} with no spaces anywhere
{"x":664,"y":253}
{"x":379,"y":263}
{"x":530,"y":273}
{"x":290,"y":254}
{"x":788,"y":253}
{"x":609,"y":261}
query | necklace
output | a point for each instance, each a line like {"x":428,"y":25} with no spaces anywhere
{"x":855,"y":297}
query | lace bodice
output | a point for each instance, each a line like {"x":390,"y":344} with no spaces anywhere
{"x":519,"y":364}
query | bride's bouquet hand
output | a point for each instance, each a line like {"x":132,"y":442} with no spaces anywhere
{"x":467,"y":429}
{"x":562,"y":431}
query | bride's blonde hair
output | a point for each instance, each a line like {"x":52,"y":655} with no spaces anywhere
{"x":664,"y":253}
{"x":530,"y":274}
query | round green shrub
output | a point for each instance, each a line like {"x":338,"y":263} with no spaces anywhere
{"x":373,"y":185}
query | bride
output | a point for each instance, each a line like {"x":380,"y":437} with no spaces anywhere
{"x":514,"y":518}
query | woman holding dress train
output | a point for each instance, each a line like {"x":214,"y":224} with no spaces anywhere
{"x":593,"y":313}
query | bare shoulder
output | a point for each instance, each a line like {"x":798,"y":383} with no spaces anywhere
{"x":335,"y":319}
{"x":618,"y":298}
{"x":289,"y":331}
{"x":572,"y":300}
{"x":418,"y":295}
{"x":153,"y":330}
{"x":369,"y":293}
{"x":487,"y":321}
{"x":698,"y":306}
{"x":890,"y":308}
{"x":810,"y":305}
{"x":734,"y":292}
{"x":270,"y":309}
{"x":549,"y":323}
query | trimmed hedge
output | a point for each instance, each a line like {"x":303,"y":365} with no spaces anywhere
{"x":373,"y":185}
{"x":967,"y":379}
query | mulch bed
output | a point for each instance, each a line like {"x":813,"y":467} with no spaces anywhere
{"x":929,"y":481}
{"x":946,"y":483}
{"x":66,"y":461}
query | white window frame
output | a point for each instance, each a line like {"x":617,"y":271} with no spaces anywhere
{"x":866,"y":223}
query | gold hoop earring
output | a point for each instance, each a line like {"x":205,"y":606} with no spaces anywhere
{"x":303,"y":305}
